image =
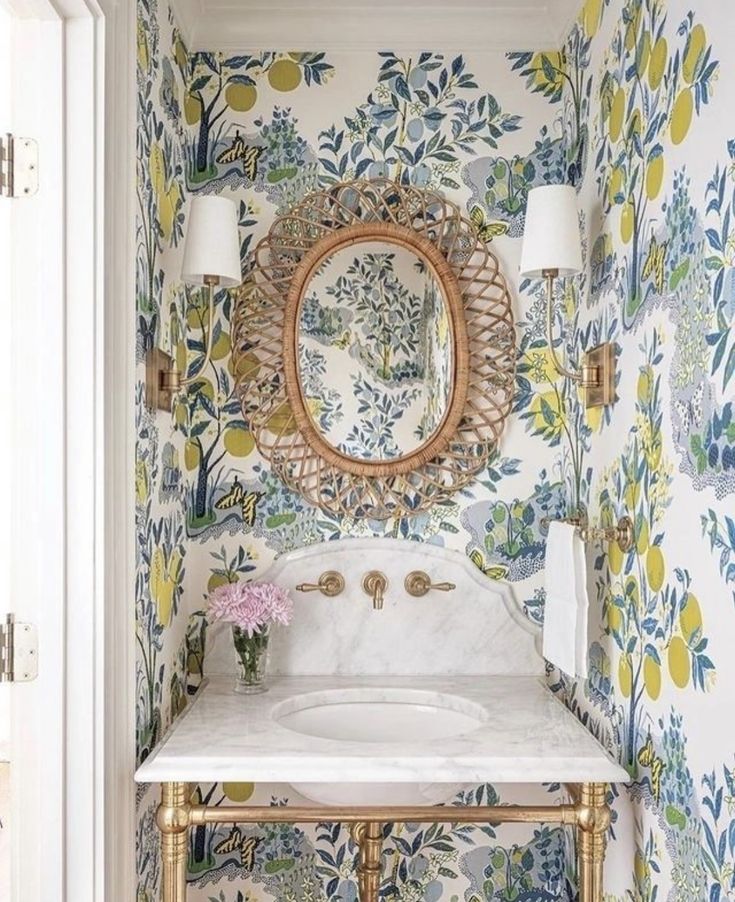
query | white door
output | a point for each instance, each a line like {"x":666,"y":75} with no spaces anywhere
{"x":32,"y":521}
{"x":5,"y":857}
{"x":66,"y":528}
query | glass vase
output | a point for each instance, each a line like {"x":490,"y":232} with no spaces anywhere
{"x":252,"y":659}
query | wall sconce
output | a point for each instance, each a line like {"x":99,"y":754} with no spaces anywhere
{"x":552,"y":249}
{"x":211,"y":258}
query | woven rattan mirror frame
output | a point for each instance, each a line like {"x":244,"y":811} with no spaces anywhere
{"x":264,"y":340}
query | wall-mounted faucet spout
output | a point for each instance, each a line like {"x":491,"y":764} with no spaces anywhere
{"x":375,"y":583}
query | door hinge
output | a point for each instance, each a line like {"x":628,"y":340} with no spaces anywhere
{"x":18,"y":166}
{"x":18,"y":651}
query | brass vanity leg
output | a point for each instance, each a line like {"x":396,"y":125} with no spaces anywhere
{"x":593,"y":820}
{"x":369,"y":838}
{"x":172,"y":819}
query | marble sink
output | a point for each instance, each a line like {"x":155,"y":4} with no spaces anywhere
{"x":498,"y":729}
{"x":383,"y":715}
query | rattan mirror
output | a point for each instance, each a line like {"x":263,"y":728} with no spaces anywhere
{"x":374,"y":350}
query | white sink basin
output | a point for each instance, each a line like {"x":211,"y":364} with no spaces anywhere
{"x":367,"y":715}
{"x":379,"y":715}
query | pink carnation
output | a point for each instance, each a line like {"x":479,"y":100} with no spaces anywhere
{"x":251,"y":606}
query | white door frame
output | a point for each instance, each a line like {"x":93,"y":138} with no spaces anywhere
{"x":115,"y":699}
{"x":72,"y":748}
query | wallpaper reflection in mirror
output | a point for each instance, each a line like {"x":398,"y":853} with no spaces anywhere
{"x":375,"y":351}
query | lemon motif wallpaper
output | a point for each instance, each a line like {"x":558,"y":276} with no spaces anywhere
{"x":656,"y":189}
{"x":632,"y":110}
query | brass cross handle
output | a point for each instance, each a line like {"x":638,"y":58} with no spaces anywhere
{"x":330,"y":583}
{"x":418,"y":583}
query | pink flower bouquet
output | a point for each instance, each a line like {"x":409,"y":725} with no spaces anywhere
{"x":251,"y":609}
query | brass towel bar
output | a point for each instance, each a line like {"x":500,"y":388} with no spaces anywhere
{"x":623,"y":533}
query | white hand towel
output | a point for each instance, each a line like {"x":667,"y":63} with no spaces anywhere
{"x":565,"y":613}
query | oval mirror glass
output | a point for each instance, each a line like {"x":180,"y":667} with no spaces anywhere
{"x":376,"y":361}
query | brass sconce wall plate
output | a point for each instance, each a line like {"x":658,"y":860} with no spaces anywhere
{"x":156,"y":363}
{"x":600,"y":360}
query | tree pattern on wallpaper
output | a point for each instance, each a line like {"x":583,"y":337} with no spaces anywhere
{"x":632,"y":111}
{"x":659,"y":267}
{"x":423,"y":117}
{"x":655,"y":622}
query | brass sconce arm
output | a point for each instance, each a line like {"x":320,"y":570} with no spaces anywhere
{"x":212,"y":257}
{"x":597,"y":373}
{"x":551,"y":275}
{"x":171,"y":380}
{"x":163,"y":378}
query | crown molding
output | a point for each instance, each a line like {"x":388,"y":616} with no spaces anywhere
{"x":475,"y":25}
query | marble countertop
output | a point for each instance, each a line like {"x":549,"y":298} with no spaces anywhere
{"x":528,"y":736}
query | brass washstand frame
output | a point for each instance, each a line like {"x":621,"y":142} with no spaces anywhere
{"x":588,"y":813}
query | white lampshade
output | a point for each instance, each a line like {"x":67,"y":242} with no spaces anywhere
{"x":551,"y":236}
{"x":212,"y":246}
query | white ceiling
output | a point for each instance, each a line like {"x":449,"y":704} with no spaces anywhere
{"x":467,"y":25}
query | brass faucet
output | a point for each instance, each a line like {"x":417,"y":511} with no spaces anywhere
{"x":375,"y":583}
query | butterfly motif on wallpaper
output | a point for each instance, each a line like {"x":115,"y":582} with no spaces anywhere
{"x":248,"y":153}
{"x":344,"y":341}
{"x":491,"y":572}
{"x":648,"y":758}
{"x":245,"y":845}
{"x":690,"y":411}
{"x":147,"y":331}
{"x":248,"y":501}
{"x":655,"y":263}
{"x":486,"y":230}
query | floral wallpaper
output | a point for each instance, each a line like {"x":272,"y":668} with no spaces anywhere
{"x":656,"y":186}
{"x":631,"y":110}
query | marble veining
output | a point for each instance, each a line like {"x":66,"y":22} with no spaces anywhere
{"x":526,"y":736}
{"x":478,"y":628}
